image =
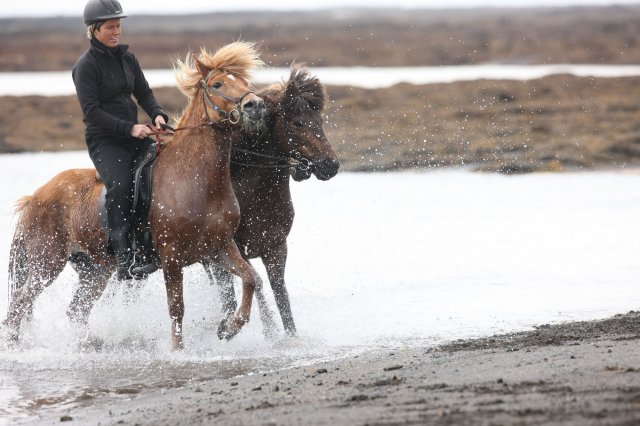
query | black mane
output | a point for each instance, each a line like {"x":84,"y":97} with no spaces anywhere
{"x":302,"y":92}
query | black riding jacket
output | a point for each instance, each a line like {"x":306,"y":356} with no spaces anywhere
{"x":105,"y":78}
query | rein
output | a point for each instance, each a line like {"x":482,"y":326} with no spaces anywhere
{"x":293,"y":161}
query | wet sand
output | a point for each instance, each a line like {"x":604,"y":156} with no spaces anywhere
{"x":579,"y":373}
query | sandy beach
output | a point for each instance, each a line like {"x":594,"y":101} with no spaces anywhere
{"x":580,"y":373}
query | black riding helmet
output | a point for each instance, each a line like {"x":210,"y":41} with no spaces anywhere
{"x":102,"y":10}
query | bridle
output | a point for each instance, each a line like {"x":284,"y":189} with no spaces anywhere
{"x":294,"y":160}
{"x":226,"y":115}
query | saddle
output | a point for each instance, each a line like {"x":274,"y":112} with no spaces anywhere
{"x":141,"y":241}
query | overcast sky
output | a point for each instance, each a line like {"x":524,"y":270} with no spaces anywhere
{"x":10,"y":8}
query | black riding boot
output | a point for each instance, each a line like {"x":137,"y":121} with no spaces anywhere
{"x":124,"y":255}
{"x":130,"y":266}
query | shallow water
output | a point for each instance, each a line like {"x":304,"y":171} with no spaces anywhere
{"x":60,"y":83}
{"x":376,"y":260}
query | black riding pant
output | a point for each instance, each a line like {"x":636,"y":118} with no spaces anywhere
{"x":114,"y":158}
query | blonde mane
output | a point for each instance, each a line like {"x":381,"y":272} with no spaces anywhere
{"x":237,"y":59}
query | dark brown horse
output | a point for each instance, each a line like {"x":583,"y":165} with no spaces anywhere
{"x":193,"y":212}
{"x":291,"y":143}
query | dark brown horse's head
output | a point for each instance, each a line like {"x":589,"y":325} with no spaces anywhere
{"x":295,"y":109}
{"x":220,"y":80}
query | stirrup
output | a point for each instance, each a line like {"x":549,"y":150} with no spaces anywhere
{"x":141,"y":271}
{"x":124,"y":273}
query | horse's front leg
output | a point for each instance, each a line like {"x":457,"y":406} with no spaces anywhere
{"x":175,"y":300}
{"x":224,"y":281}
{"x":233,"y":262}
{"x":275,"y":262}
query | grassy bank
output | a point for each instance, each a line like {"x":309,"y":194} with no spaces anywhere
{"x":557,"y":123}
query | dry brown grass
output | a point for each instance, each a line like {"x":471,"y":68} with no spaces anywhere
{"x":551,"y":124}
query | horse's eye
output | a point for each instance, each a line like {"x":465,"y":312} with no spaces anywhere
{"x":216,"y":85}
{"x":298,"y":123}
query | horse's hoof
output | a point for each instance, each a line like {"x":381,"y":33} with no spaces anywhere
{"x":270,"y":333}
{"x":176,"y":342}
{"x":291,"y":333}
{"x":223,"y":334}
{"x":229,"y":327}
{"x":91,"y":344}
{"x":10,"y":336}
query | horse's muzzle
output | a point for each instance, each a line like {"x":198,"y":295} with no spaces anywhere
{"x":325,"y":169}
{"x":253,"y":108}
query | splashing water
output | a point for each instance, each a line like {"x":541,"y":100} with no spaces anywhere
{"x":376,"y":260}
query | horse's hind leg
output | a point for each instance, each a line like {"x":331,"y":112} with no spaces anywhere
{"x":274,"y":263}
{"x":224,"y":281}
{"x":46,"y":258}
{"x":21,"y":303}
{"x":93,"y":281}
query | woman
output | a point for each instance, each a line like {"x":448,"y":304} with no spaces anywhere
{"x":105,"y":76}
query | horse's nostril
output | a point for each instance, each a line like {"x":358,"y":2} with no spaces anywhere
{"x":249,"y":105}
{"x":326,"y":169}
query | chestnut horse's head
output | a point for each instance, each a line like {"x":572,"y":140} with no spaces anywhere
{"x":220,"y":80}
{"x":297,"y":107}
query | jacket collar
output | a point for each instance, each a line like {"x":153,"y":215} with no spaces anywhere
{"x":119,"y":49}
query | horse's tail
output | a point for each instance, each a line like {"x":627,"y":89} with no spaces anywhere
{"x":18,"y":265}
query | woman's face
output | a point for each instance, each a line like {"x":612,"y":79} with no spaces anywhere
{"x":109,"y":33}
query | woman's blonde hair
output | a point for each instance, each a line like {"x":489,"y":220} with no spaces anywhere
{"x":92,"y":28}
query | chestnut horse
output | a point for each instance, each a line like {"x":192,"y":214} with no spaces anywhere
{"x":193,"y":212}
{"x":290,"y":143}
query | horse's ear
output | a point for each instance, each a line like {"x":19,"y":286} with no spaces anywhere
{"x":202,"y":68}
{"x":290,"y":93}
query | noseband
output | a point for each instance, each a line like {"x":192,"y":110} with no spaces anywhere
{"x":226,"y":115}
